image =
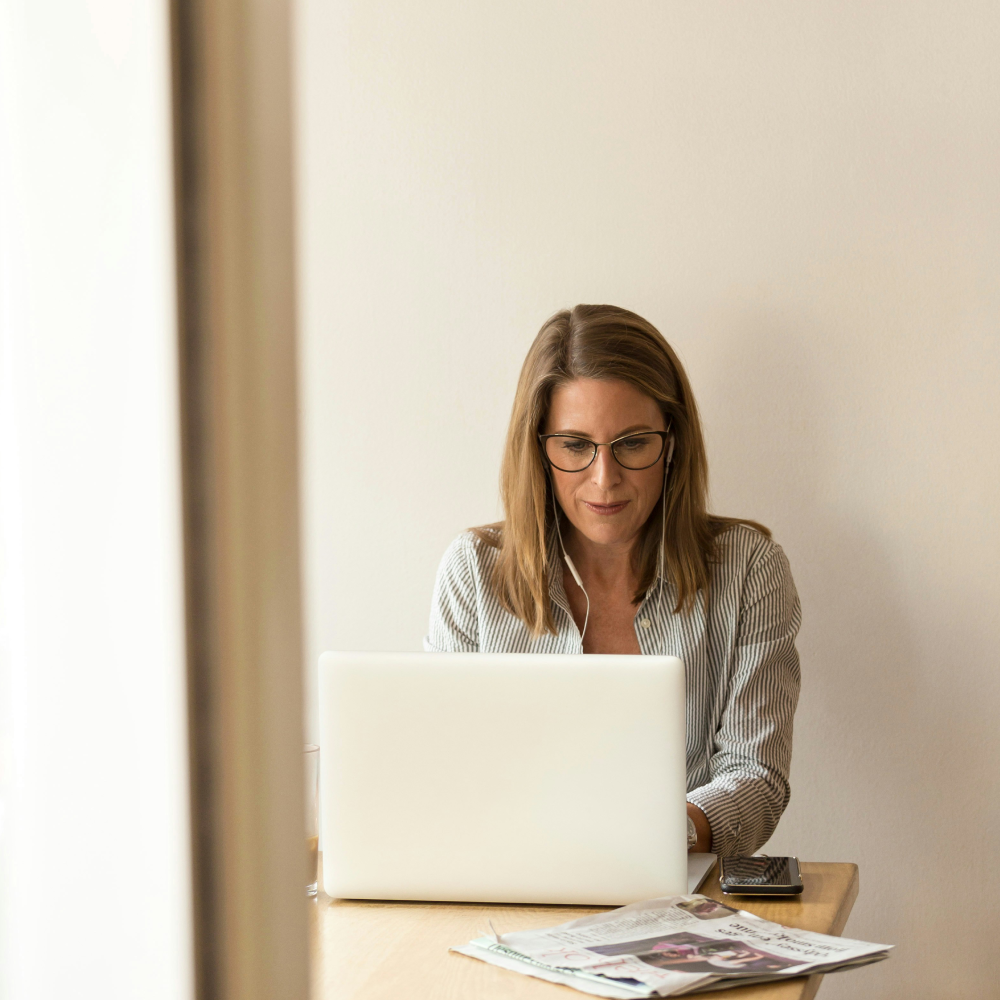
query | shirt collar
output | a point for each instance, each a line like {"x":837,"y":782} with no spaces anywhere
{"x":557,"y":590}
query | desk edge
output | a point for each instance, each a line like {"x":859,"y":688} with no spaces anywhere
{"x":846,"y":904}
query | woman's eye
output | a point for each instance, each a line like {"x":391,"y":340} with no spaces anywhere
{"x":634,"y":443}
{"x":575,"y":446}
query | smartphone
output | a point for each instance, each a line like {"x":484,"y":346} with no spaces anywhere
{"x":761,"y":876}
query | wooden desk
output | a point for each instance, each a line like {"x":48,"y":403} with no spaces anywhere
{"x":384,"y":951}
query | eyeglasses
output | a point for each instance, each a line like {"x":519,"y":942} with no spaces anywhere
{"x":632,"y":451}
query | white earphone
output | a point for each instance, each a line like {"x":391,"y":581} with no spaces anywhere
{"x":663,"y":531}
{"x":663,"y":534}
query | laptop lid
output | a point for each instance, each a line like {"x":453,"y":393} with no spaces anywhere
{"x":503,"y":777}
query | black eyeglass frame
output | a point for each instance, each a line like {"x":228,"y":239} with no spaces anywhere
{"x":662,"y":435}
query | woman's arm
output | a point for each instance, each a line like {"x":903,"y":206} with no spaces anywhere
{"x":704,"y":842}
{"x":753,"y":745}
{"x":454,"y":624}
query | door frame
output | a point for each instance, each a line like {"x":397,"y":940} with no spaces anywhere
{"x":233,"y":159}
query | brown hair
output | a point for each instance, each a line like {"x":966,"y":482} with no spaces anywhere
{"x":600,"y":342}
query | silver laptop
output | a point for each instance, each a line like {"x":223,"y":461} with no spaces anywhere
{"x":504,"y":778}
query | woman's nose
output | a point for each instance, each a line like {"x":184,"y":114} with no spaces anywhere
{"x":606,"y":470}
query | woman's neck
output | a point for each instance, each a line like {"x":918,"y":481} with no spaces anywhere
{"x":602,"y":566}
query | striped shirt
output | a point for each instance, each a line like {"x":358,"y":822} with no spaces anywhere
{"x":738,"y":648}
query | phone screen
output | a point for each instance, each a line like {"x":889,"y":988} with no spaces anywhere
{"x":761,"y":871}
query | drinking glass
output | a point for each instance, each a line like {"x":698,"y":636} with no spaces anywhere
{"x":311,"y":754}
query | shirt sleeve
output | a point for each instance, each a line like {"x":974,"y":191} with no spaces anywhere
{"x":752,"y":750}
{"x":454,"y":624}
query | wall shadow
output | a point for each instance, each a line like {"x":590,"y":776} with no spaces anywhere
{"x":891,"y":769}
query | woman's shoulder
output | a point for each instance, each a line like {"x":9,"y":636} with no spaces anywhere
{"x":472,"y":550}
{"x":749,"y":568}
{"x":745,"y":547}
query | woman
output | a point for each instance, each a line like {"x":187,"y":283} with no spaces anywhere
{"x":608,"y":547}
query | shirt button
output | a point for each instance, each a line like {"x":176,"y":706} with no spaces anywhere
{"x":646,"y":623}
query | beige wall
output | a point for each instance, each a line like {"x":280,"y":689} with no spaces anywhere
{"x":806,"y":200}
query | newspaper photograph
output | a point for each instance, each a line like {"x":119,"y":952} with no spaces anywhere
{"x":670,"y":947}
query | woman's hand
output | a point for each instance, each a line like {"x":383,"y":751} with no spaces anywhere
{"x":704,"y":842}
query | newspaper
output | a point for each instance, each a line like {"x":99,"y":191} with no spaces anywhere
{"x":669,"y":947}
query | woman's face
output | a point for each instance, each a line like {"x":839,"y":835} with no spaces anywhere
{"x":606,"y":503}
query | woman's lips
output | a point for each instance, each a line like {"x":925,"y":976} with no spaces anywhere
{"x":606,"y":508}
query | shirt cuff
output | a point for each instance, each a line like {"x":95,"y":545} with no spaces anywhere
{"x":723,"y":815}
